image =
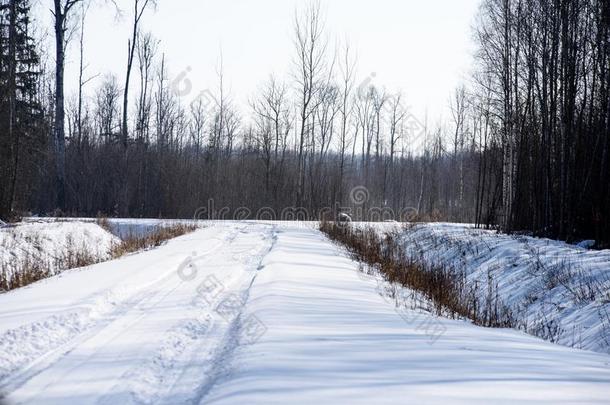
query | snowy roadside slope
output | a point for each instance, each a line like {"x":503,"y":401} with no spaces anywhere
{"x":332,"y":339}
{"x":560,"y":291}
{"x":48,"y":241}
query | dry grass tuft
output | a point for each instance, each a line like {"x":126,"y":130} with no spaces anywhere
{"x":159,"y":236}
{"x":103,"y":222}
{"x":35,"y":267}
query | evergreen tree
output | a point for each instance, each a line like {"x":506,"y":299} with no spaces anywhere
{"x":21,"y":125}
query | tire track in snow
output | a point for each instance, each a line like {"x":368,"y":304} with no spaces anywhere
{"x":55,"y":337}
{"x":185,"y":341}
{"x":108,"y":331}
{"x":197,"y":335}
{"x":62,"y":333}
{"x":222,"y":357}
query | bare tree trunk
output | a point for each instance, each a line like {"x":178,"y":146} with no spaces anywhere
{"x":139,"y":8}
{"x":13,"y":135}
{"x":61,"y":12}
{"x":311,"y":52}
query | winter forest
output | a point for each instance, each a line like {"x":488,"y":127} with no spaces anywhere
{"x":525,"y":149}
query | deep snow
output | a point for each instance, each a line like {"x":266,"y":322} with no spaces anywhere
{"x":48,"y":241}
{"x":556,"y":290}
{"x":263,"y":313}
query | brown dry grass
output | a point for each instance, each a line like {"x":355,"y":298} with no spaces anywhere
{"x":32,"y":268}
{"x":154,"y":239}
{"x":444,"y":287}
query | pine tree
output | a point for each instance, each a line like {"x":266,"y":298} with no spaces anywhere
{"x":21,"y":125}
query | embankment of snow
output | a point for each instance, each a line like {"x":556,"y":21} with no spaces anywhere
{"x":48,"y":243}
{"x":556,"y":291}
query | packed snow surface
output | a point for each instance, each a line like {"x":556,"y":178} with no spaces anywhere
{"x":263,"y":313}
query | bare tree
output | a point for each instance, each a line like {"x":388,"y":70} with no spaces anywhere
{"x":364,"y":108}
{"x":198,"y":124}
{"x":107,"y":109}
{"x":397,"y":117}
{"x":311,"y":46}
{"x":147,"y":49}
{"x":61,"y":13}
{"x":459,"y":110}
{"x":140,"y":7}
{"x":346,"y":108}
{"x":82,"y":81}
{"x":273,"y":124}
{"x":379,"y":99}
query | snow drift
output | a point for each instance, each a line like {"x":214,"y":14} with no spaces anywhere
{"x":556,"y":291}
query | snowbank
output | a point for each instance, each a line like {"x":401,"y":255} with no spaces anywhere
{"x":49,"y":243}
{"x":556,"y":291}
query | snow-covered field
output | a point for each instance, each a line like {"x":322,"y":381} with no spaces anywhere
{"x":555,"y":290}
{"x":259,"y":312}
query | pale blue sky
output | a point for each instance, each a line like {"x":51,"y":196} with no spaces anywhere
{"x":421,"y":47}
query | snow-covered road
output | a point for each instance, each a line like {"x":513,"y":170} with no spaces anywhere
{"x":262,"y":313}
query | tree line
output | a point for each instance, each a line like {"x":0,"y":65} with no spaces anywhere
{"x":542,"y":83}
{"x":525,"y":147}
